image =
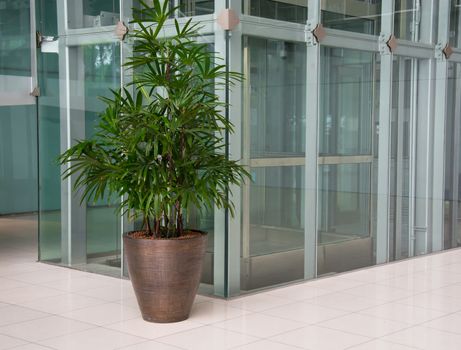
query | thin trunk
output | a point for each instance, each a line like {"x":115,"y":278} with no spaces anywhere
{"x":147,"y":222}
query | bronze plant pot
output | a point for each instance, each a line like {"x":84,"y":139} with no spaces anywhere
{"x":165,"y":274}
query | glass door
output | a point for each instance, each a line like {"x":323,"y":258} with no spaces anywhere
{"x":347,"y":162}
{"x":274,"y":148}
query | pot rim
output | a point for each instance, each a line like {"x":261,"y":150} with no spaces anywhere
{"x":202,"y":234}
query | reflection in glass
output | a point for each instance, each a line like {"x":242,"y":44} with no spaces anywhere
{"x":94,"y":70}
{"x":273,"y":246}
{"x":455,"y":23}
{"x":407,"y":19}
{"x":277,"y":83}
{"x":284,"y":10}
{"x":363,"y":16}
{"x":344,"y":231}
{"x":18,"y":159}
{"x":49,"y":140}
{"x":189,"y":8}
{"x":15,"y":38}
{"x":402,"y":111}
{"x":92,"y":13}
{"x":348,"y":92}
{"x":452,"y":195}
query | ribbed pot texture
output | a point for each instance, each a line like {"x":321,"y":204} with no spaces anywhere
{"x":165,"y":274}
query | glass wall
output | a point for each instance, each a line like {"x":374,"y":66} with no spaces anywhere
{"x":344,"y":140}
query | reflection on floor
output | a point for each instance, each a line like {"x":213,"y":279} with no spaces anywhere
{"x":412,"y":304}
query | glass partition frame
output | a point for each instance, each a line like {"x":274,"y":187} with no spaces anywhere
{"x":427,"y":216}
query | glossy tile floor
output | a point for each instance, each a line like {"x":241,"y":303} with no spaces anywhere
{"x":414,"y":304}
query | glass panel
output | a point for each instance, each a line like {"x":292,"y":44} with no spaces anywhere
{"x":361,"y":16}
{"x":18,"y":159}
{"x":92,"y":13}
{"x":344,"y":235}
{"x":273,"y":252}
{"x":283,"y":10}
{"x":15,"y":34}
{"x":452,"y":196}
{"x":49,"y":139}
{"x":348,"y":91}
{"x":95,"y":70}
{"x":407,"y":19}
{"x":195,"y":7}
{"x":455,"y":23}
{"x":403,"y":91}
{"x":277,"y":109}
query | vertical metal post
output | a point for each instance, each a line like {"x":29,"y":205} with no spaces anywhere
{"x":312,"y":117}
{"x":438,"y":183}
{"x":73,"y":216}
{"x":384,"y":161}
{"x":228,"y":45}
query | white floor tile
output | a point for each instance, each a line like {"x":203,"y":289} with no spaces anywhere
{"x":320,"y":338}
{"x":449,"y":323}
{"x":258,"y":302}
{"x":150,"y":345}
{"x":381,"y":345}
{"x":7,"y":283}
{"x":208,"y":338}
{"x":31,"y":346}
{"x":64,"y":303}
{"x":346,"y":302}
{"x":259,"y":325}
{"x":298,"y":292}
{"x":335,"y":283}
{"x":7,"y":342}
{"x":408,"y":314}
{"x":364,"y":325}
{"x":266,"y":345}
{"x":113,"y":294}
{"x":379,"y":292}
{"x":305,"y":312}
{"x":93,"y":339}
{"x":209,"y":312}
{"x":426,"y":338}
{"x":150,"y":330}
{"x":433,"y":301}
{"x":103,"y":314}
{"x":14,"y":314}
{"x":44,"y":328}
{"x":26,"y":294}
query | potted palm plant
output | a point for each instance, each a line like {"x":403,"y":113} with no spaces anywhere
{"x":160,"y":147}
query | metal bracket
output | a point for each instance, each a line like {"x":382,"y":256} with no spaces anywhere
{"x":315,"y":33}
{"x":387,"y":43}
{"x":35,"y":92}
{"x":40,"y":39}
{"x":121,"y":31}
{"x":443,"y":51}
{"x":228,"y":19}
